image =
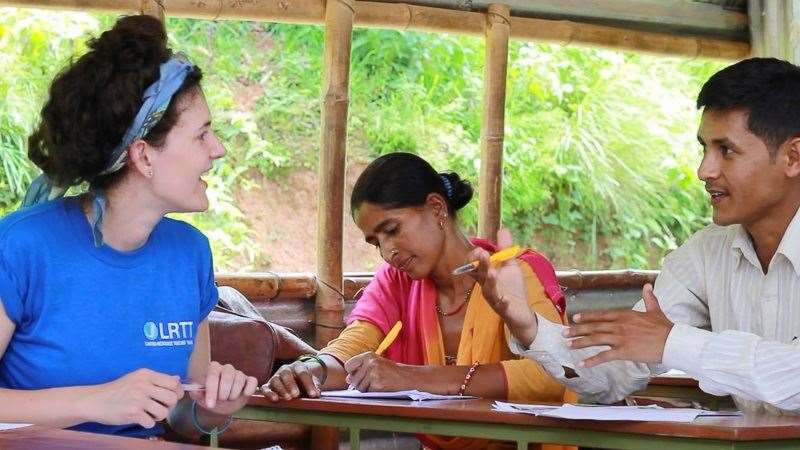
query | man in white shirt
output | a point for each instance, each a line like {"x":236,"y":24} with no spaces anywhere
{"x":726,"y":306}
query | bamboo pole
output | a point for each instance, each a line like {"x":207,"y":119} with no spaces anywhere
{"x":492,"y":129}
{"x":153,"y":8}
{"x":409,"y":17}
{"x":794,"y":36}
{"x":330,"y":204}
{"x":259,"y":285}
{"x":329,"y":308}
{"x":755,"y":12}
{"x":772,"y":28}
{"x":300,"y":287}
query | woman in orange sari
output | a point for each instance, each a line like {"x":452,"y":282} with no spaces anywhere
{"x":451,"y":342}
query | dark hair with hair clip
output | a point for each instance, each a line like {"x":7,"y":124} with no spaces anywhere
{"x":93,"y":102}
{"x":399,"y":180}
{"x":767,"y":88}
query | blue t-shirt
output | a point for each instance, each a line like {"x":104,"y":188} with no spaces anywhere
{"x":88,"y":315}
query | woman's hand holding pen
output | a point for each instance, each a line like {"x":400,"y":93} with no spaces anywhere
{"x":369,"y":372}
{"x":503,"y":287}
{"x":142,"y":397}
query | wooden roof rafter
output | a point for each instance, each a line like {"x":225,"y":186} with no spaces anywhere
{"x":404,"y":16}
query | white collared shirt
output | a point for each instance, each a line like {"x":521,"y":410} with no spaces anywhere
{"x":736,"y":328}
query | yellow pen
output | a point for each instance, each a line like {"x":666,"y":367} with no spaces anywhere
{"x":389,"y":338}
{"x":501,"y":256}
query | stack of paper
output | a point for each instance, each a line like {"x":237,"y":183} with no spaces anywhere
{"x":650,"y":413}
{"x":402,"y":395}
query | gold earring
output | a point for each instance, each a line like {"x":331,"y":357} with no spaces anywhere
{"x":441,"y":223}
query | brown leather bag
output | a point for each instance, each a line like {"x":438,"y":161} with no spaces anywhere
{"x":242,"y":337}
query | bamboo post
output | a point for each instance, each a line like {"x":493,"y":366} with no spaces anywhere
{"x":490,"y":187}
{"x":794,"y":32}
{"x":339,"y":15}
{"x":772,"y":28}
{"x":153,"y":8}
{"x":755,"y":12}
{"x":335,"y":90}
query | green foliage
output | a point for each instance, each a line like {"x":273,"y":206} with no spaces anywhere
{"x":31,"y":50}
{"x":599,"y":147}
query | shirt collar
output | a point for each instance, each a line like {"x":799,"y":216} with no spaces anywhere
{"x":788,"y":247}
{"x":741,"y":241}
{"x":790,"y":244}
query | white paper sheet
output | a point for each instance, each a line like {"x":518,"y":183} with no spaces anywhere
{"x":402,"y":395}
{"x":650,"y":413}
{"x":11,"y":426}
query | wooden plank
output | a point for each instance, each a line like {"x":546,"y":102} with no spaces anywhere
{"x":420,"y":18}
{"x":492,"y":129}
{"x":662,"y":16}
{"x":565,"y":33}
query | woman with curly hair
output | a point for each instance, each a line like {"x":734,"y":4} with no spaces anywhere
{"x":103,"y":300}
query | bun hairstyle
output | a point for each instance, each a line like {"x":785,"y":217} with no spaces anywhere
{"x":399,"y":180}
{"x":94,"y":100}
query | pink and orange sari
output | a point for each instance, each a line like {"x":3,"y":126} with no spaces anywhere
{"x":394,"y":296}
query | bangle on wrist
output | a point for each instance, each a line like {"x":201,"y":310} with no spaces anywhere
{"x":310,"y":357}
{"x":468,"y":377}
{"x":216,"y":431}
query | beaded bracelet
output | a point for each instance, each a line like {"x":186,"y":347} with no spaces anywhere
{"x":467,"y":378}
{"x":214,"y":431}
{"x":310,"y":357}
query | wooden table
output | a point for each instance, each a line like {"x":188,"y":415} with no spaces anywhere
{"x":475,"y":418}
{"x":40,"y":438}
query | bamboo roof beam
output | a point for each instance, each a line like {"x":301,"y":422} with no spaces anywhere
{"x":492,"y":129}
{"x":421,"y":18}
{"x":662,"y":16}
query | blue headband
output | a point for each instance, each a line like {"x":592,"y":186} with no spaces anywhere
{"x":155,"y":101}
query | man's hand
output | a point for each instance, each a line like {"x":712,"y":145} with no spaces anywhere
{"x":632,"y":335}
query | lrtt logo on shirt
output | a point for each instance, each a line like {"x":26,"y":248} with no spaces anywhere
{"x":168,"y":334}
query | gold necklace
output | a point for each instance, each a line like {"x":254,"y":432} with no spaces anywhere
{"x":466,"y":300}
